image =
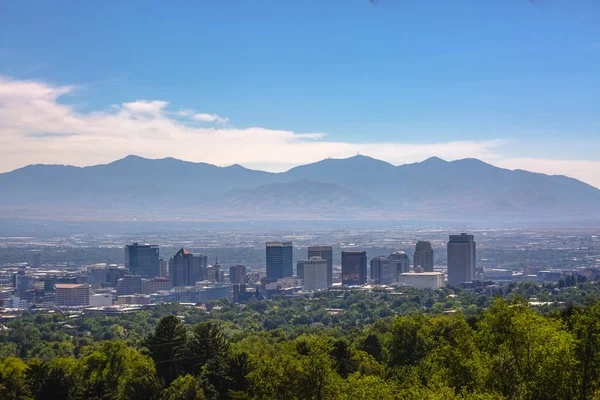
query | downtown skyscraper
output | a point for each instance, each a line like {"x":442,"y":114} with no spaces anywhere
{"x":142,"y":260}
{"x":326,"y":253}
{"x":461,"y":259}
{"x":280,"y":263}
{"x":423,"y":256}
{"x":185,"y":268}
{"x":354,"y":267}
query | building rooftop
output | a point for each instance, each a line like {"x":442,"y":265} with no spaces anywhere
{"x":421,"y":273}
{"x":68,"y":285}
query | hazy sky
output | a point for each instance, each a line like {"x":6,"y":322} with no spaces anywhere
{"x":272,"y":84}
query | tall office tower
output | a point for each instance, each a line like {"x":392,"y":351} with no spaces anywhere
{"x":315,"y":274}
{"x":300,"y":269}
{"x":354,"y":267}
{"x":326,"y":253}
{"x":383,"y":270}
{"x":36,"y":260}
{"x":185,"y":268}
{"x":279,"y":260}
{"x":164,"y":268}
{"x":423,"y":256}
{"x":461,"y":259}
{"x":142,"y":259}
{"x":237,"y":274}
{"x":401,"y":261}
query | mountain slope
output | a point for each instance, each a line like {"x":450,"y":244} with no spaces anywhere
{"x":356,"y":187}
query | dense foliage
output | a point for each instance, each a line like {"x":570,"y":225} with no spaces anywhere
{"x":339,"y":345}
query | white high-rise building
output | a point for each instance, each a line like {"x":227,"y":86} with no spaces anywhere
{"x":315,"y":274}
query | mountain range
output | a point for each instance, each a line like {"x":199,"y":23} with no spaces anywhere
{"x":355,"y":188}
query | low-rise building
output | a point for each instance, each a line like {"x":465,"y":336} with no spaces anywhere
{"x":71,"y":295}
{"x":150,"y":286}
{"x":133,"y":299}
{"x":101,"y":300}
{"x":497,"y":274}
{"x":422,"y":280}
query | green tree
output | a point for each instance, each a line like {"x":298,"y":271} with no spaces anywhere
{"x":119,"y":372}
{"x":585,"y":326}
{"x":206,"y":343}
{"x":12,"y":379}
{"x":530,"y":356}
{"x":167,"y":345}
{"x":183,"y":388}
{"x":54,"y":380}
{"x":342,"y":357}
{"x":372,"y":345}
{"x":409,"y":340}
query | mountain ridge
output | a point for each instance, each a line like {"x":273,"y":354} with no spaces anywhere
{"x":354,"y":187}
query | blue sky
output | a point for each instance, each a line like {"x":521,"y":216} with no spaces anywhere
{"x":523,"y":76}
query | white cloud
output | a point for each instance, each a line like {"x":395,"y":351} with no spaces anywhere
{"x":36,"y":128}
{"x":209,"y":118}
{"x":154,"y":107}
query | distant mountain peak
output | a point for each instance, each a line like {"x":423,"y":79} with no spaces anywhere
{"x":434,"y":160}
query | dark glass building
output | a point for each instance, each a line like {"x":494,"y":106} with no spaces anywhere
{"x":461,"y":259}
{"x":142,"y":260}
{"x":300,"y":269}
{"x":354,"y":267}
{"x":423,"y":256}
{"x":401,"y":262}
{"x":185,"y":268}
{"x":383,"y":270}
{"x":326,"y":253}
{"x":280,"y":262}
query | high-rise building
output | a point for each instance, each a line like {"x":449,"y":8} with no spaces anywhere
{"x":423,"y":256}
{"x":113,"y":275}
{"x":214,"y":273}
{"x":383,"y":270}
{"x":300,"y":269}
{"x":164,"y":268}
{"x":280,"y":263}
{"x":129,"y":284}
{"x":97,"y":274}
{"x":461,"y":259}
{"x":315,"y":274}
{"x":354,"y":267}
{"x":142,"y":260}
{"x":326,"y":253}
{"x":401,"y":261}
{"x":237,"y":274}
{"x":72,"y":294}
{"x":185,"y":268}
